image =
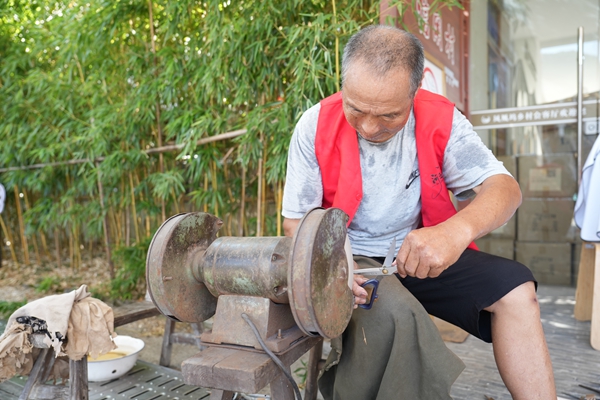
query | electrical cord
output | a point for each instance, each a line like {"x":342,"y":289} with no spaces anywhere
{"x":275,"y":359}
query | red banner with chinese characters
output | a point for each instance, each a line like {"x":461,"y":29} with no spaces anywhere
{"x":445,"y":37}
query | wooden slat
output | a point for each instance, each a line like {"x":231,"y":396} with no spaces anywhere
{"x":134,"y":312}
{"x":585,"y":283}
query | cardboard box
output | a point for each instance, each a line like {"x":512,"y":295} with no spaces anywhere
{"x":549,"y":262}
{"x":553,"y":175}
{"x":498,"y":247}
{"x":546,"y":220}
{"x":506,"y":231}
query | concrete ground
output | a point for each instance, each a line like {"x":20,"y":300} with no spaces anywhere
{"x":575,"y":362}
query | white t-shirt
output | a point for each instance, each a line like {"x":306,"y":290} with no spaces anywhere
{"x":391,"y":204}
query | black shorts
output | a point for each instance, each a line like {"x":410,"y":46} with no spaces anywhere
{"x":460,"y":294}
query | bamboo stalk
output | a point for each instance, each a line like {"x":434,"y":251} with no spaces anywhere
{"x":157,"y":104}
{"x":8,"y":237}
{"x":57,"y":247}
{"x":134,"y":210}
{"x":70,"y":239}
{"x":24,"y":244}
{"x":175,"y":201}
{"x":44,"y":245}
{"x":76,"y":247}
{"x":264,"y":185}
{"x":205,"y":206}
{"x":214,"y":183}
{"x":242,"y":203}
{"x":105,"y":224}
{"x":259,"y":202}
{"x":33,"y":238}
{"x":337,"y":50}
{"x":127,"y":227}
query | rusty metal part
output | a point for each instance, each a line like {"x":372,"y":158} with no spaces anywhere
{"x":188,"y":268}
{"x":169,"y":276}
{"x":320,"y":298}
{"x":246,"y":265}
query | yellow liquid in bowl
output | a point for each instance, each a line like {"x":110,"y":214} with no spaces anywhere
{"x":111,"y":355}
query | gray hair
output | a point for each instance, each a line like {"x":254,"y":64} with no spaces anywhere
{"x":383,"y":48}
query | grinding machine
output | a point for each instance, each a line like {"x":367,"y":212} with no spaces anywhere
{"x":273,"y":295}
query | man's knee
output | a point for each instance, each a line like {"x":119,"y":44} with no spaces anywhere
{"x":521,"y":298}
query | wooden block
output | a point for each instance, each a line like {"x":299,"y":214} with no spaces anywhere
{"x":235,"y":370}
{"x":245,"y":372}
{"x":585,"y":283}
{"x":198,"y":369}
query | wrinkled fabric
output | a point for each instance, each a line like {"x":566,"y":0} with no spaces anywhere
{"x":86,"y":323}
{"x":392,"y":351}
{"x":587,"y":211}
{"x":55,"y":310}
{"x":16,"y":356}
{"x":91,"y":329}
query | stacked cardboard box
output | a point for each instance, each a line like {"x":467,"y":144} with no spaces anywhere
{"x":501,"y":242}
{"x":542,"y":235}
{"x":546,"y":235}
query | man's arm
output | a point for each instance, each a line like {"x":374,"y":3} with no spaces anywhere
{"x":289,"y":226}
{"x":427,"y":252}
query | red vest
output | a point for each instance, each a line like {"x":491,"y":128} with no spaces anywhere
{"x":336,"y":148}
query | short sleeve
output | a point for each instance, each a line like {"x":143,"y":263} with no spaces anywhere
{"x":303,"y":188}
{"x":467,"y":161}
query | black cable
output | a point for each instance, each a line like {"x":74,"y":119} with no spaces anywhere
{"x":276,"y":360}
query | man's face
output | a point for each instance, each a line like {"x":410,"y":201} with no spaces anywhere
{"x":377,"y":107}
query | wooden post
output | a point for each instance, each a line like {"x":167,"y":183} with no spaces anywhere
{"x":585,"y":283}
{"x":312,"y":372}
{"x":78,"y":379}
{"x":595,"y":333}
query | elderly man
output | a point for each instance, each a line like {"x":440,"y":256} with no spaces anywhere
{"x":387,"y":153}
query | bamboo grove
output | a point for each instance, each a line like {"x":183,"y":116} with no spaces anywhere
{"x":115,"y":103}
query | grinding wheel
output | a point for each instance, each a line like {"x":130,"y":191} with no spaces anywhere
{"x":174,"y":289}
{"x":318,"y":275}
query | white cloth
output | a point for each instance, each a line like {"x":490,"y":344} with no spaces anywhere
{"x":587,"y":207}
{"x":90,"y":331}
{"x":55,"y":310}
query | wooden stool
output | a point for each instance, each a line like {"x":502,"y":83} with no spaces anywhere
{"x":587,"y":295}
{"x":227,"y":370}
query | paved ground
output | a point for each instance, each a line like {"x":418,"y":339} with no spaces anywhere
{"x":574,"y":360}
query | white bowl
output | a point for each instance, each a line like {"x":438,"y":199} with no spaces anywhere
{"x":127,"y":352}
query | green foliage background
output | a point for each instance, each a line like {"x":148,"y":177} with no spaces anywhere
{"x":109,"y":80}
